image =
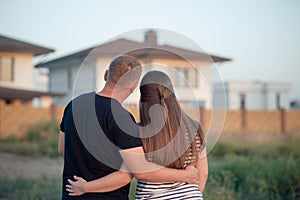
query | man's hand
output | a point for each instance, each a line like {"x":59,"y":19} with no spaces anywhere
{"x":76,"y":188}
{"x":192,"y":175}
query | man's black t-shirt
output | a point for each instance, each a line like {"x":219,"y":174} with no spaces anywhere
{"x":96,"y":128}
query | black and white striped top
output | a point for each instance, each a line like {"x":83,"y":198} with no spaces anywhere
{"x":167,"y":191}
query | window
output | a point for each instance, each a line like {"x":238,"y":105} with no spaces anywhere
{"x":185,"y":77}
{"x":6,"y":68}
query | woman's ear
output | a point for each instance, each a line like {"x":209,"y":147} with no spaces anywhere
{"x":105,"y":75}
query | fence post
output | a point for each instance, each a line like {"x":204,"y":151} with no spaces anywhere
{"x":244,"y":118}
{"x":282,"y":120}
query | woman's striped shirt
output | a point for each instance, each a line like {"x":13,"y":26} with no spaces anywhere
{"x":167,"y":191}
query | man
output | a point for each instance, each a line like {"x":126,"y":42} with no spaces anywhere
{"x":94,"y":130}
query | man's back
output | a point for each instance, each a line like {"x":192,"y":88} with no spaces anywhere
{"x":93,"y":137}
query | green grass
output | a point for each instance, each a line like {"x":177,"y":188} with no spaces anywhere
{"x":239,"y":177}
{"x":286,"y":148}
{"x":28,"y":189}
{"x":237,"y":169}
{"x":40,"y":140}
{"x":37,"y":189}
{"x":250,"y":176}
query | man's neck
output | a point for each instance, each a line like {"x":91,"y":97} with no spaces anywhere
{"x":110,"y":92}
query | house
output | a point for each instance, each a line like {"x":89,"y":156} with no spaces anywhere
{"x":17,"y":71}
{"x":190,"y":71}
{"x":252,"y":95}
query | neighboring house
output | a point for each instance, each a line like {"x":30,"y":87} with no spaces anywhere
{"x":175,"y":61}
{"x":252,"y":95}
{"x":17,"y":71}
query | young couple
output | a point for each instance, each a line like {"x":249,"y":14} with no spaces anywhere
{"x":165,"y":151}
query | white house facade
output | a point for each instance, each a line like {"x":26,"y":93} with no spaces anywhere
{"x":190,"y":71}
{"x":17,"y":78}
{"x":252,"y":95}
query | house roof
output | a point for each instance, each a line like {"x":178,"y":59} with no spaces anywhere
{"x":13,"y":93}
{"x":12,"y":45}
{"x":136,"y":49}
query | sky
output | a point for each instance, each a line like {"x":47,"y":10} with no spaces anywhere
{"x":261,"y":37}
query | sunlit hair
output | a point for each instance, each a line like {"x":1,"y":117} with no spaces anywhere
{"x":168,"y":146}
{"x":124,"y":70}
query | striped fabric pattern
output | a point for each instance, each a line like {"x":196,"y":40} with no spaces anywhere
{"x":167,"y":191}
{"x":191,"y":158}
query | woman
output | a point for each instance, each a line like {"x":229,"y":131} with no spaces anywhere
{"x":170,"y":138}
{"x":177,"y":144}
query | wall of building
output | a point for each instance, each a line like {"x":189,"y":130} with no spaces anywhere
{"x":102,"y":64}
{"x":284,"y":100}
{"x":23,"y":70}
{"x":84,"y":79}
{"x":192,"y":96}
{"x":58,"y":80}
{"x":72,"y":78}
{"x":92,"y":79}
{"x":41,"y":79}
{"x":258,"y":96}
{"x":253,"y":100}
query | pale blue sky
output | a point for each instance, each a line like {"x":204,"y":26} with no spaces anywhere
{"x":262,"y":37}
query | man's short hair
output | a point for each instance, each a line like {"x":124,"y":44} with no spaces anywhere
{"x":124,"y":70}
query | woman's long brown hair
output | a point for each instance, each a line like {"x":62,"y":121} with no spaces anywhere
{"x":168,"y":146}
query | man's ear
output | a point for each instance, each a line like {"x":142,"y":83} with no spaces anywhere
{"x":105,"y":75}
{"x":134,"y":86}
